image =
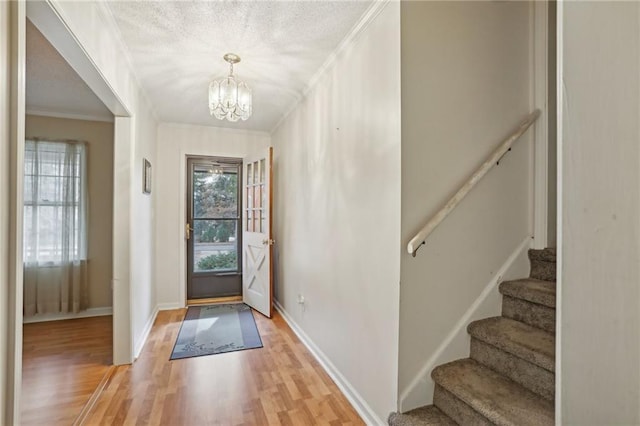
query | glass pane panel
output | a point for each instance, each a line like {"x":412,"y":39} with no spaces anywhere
{"x":214,"y":245}
{"x":249,"y":173}
{"x":264,"y":197}
{"x":250,"y":220}
{"x":256,"y":196}
{"x":215,"y":193}
{"x":262,"y":171}
{"x":263,"y":221}
{"x":256,"y":221}
{"x":255,"y":174}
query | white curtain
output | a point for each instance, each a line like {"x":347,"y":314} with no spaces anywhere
{"x":55,"y":227}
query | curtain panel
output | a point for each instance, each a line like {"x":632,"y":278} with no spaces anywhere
{"x":55,"y":227}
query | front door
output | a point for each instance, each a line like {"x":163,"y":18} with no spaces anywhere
{"x":257,"y":244}
{"x":213,"y":221}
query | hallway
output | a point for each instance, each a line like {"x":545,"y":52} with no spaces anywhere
{"x":279,"y":384}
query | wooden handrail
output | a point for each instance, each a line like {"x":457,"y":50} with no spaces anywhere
{"x":494,"y":159}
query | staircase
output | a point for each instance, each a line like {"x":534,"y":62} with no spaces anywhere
{"x":509,"y":376}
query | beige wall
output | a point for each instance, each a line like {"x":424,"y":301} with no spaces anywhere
{"x":99,"y":136}
{"x":337,"y":215}
{"x":599,"y":289}
{"x":465,"y":86}
{"x":175,"y":142}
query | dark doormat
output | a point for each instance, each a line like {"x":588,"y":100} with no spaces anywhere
{"x":215,"y":329}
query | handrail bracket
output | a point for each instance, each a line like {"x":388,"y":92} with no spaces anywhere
{"x":415,"y":252}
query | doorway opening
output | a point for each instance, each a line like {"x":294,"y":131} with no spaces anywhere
{"x":212,"y":230}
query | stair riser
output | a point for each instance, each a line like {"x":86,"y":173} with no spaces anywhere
{"x":529,"y":313}
{"x":529,"y":375}
{"x":543,"y":270}
{"x":459,"y":411}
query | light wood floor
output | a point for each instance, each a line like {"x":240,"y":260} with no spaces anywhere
{"x":63,"y":363}
{"x":279,"y":384}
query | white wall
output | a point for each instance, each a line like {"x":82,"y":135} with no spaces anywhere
{"x":143,"y":292}
{"x":99,"y":138}
{"x":337,"y":216}
{"x":599,"y":203}
{"x":175,"y":142}
{"x":465,"y":86}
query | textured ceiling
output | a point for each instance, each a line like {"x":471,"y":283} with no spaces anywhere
{"x":176,"y":48}
{"x":53,"y":86}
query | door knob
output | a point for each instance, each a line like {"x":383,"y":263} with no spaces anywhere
{"x":187,"y":230}
{"x":269,"y":242}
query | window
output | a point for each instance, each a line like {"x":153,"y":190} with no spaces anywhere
{"x":54,"y":202}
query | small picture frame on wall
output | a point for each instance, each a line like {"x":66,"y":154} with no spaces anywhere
{"x":146,"y":176}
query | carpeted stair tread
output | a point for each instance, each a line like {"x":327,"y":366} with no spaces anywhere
{"x":531,"y":290}
{"x":545,"y":255}
{"x":517,"y":338}
{"x":429,"y":415}
{"x":497,"y":398}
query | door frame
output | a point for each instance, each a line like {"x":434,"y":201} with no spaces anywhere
{"x":51,"y":24}
{"x":539,"y":94}
{"x":187,"y":197}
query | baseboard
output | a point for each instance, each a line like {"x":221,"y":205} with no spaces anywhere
{"x":356,"y":400}
{"x":169,"y":306}
{"x":456,"y":343}
{"x":91,"y":312}
{"x":149,"y":325}
{"x":145,"y":334}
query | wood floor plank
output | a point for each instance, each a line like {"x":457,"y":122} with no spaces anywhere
{"x":279,"y":384}
{"x":63,"y":362}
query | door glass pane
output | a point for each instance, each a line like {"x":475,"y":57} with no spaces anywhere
{"x":249,"y":173}
{"x":255,"y":172}
{"x":250,"y":220}
{"x":263,"y":221}
{"x":262,"y":171}
{"x":256,"y":220}
{"x":215,"y":192}
{"x":215,"y":245}
{"x":256,"y":196}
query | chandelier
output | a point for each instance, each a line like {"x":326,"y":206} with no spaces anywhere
{"x":230,"y":98}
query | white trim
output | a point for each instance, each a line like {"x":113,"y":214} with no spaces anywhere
{"x":540,"y":92}
{"x":17,"y":72}
{"x":560,"y":213}
{"x":69,"y":115}
{"x":372,"y":12}
{"x":145,"y":333}
{"x":182,"y":244}
{"x":218,"y":128}
{"x":456,"y":344}
{"x":91,"y":312}
{"x":169,"y":306}
{"x":123,"y":146}
{"x":356,"y":400}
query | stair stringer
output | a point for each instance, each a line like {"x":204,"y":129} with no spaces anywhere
{"x":457,"y":342}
